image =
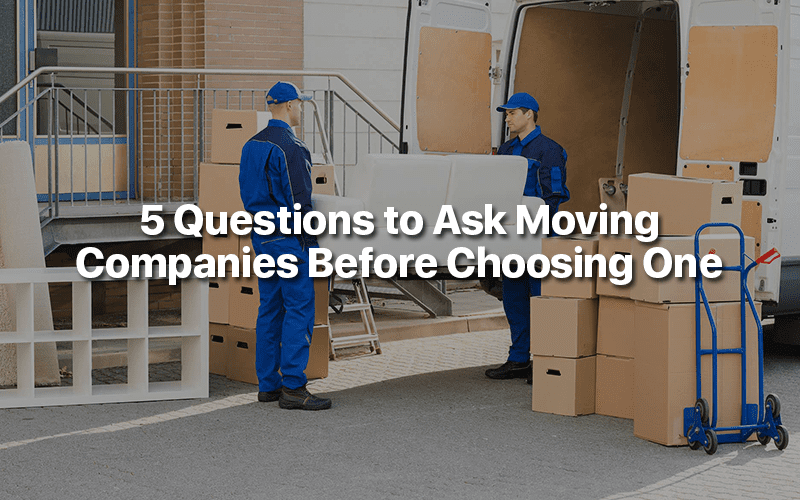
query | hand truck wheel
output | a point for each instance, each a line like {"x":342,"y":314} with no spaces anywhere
{"x":694,"y":445}
{"x":783,"y":437}
{"x":711,"y":436}
{"x":762,"y":438}
{"x":702,"y":406}
{"x":775,"y":403}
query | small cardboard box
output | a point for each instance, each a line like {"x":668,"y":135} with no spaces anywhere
{"x":218,"y":338}
{"x":322,"y":180}
{"x":219,"y":189}
{"x":572,"y":287}
{"x":665,"y":368}
{"x":615,"y":327}
{"x":242,"y":354}
{"x":562,"y":327}
{"x":614,"y":396}
{"x":684,"y":204}
{"x":219,"y":287}
{"x":230,"y":129}
{"x":608,"y":246}
{"x":672,"y":289}
{"x":564,"y":386}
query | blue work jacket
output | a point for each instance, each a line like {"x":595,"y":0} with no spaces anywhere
{"x":547,"y":171}
{"x":275,"y":172}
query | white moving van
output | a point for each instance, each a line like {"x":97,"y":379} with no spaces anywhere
{"x":703,"y":88}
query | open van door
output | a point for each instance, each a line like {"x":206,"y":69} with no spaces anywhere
{"x":446,"y":103}
{"x":731,"y":116}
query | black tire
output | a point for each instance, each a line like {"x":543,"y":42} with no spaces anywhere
{"x":783,"y":439}
{"x":776,"y":405}
{"x":702,"y":405}
{"x":762,"y":438}
{"x":711,"y":436}
{"x":694,"y":445}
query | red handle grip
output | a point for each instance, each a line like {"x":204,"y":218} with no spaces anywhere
{"x":769,"y":257}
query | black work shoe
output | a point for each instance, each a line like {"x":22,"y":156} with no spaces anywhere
{"x":301,"y":399}
{"x":269,"y":396}
{"x":530,"y":379}
{"x":510,"y":369}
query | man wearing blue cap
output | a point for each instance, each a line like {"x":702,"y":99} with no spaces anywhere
{"x":547,"y":175}
{"x":275,"y":173}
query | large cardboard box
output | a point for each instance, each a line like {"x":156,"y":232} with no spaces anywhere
{"x":218,"y":338}
{"x":665,"y":370}
{"x":684,"y":204}
{"x":608,"y":246}
{"x":230,"y":129}
{"x":242,"y":354}
{"x":219,"y":189}
{"x":564,"y":386}
{"x":672,"y":289}
{"x":219,"y":287}
{"x":615,"y":327}
{"x":572,"y":287}
{"x":614,"y":395}
{"x":562,"y":327}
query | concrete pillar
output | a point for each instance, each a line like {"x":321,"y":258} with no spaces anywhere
{"x":21,"y":240}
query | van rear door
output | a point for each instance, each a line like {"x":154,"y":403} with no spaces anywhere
{"x":446,"y":80}
{"x":730,"y":116}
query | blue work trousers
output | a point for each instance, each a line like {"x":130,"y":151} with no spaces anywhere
{"x":517,"y":293}
{"x":285,"y":319}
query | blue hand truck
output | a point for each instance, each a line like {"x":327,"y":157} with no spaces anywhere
{"x":763,"y":418}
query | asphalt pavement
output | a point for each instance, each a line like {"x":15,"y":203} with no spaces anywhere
{"x":419,"y":421}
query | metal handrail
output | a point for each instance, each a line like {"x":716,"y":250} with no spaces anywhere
{"x":190,"y":71}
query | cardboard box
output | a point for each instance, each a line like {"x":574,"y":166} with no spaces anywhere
{"x":219,"y":189}
{"x":321,"y":301}
{"x":684,"y":204}
{"x":242,"y":354}
{"x":572,"y":287}
{"x":243,"y":302}
{"x":219,"y":338}
{"x":608,"y":246}
{"x":665,"y":369}
{"x":615,"y":327}
{"x":562,"y":327}
{"x":614,"y":395}
{"x":322,"y":180}
{"x":564,"y":386}
{"x":230,"y":129}
{"x":219,"y":287}
{"x":671,"y":289}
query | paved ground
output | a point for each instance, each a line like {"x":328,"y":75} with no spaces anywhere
{"x":419,"y":421}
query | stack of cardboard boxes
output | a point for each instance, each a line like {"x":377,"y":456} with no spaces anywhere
{"x":631,"y":354}
{"x":564,"y":336}
{"x":664,"y":311}
{"x":233,"y":302}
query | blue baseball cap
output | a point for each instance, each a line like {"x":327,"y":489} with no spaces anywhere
{"x":520,"y":100}
{"x":285,"y":92}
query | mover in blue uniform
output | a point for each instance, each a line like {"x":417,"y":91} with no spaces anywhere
{"x":547,"y":176}
{"x":275,"y":172}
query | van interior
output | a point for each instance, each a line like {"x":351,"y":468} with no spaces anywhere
{"x":576,"y":59}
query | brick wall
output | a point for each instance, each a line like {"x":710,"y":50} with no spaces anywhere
{"x":218,"y":34}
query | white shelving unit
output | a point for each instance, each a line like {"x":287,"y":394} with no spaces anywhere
{"x":193,"y":333}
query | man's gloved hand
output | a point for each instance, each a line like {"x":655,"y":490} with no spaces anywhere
{"x":492,"y":286}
